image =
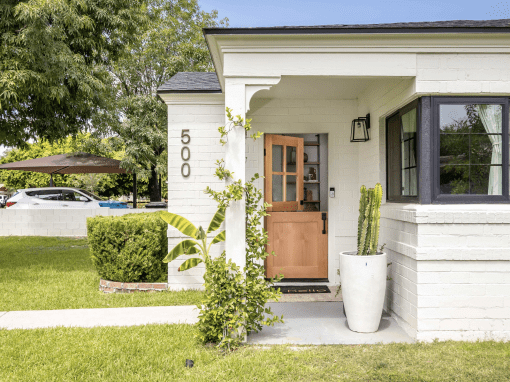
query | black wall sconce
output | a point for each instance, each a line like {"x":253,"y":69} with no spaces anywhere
{"x":359,"y":129}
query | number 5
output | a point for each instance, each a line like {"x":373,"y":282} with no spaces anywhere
{"x":185,"y":134}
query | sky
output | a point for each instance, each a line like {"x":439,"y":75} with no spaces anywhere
{"x":264,"y":13}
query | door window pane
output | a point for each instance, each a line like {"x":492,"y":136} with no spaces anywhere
{"x":277,"y":188}
{"x":291,"y":153}
{"x":277,"y":158}
{"x":291,"y":188}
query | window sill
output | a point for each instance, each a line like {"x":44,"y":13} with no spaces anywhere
{"x":447,"y":213}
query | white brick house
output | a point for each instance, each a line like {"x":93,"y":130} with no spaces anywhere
{"x":438,"y":99}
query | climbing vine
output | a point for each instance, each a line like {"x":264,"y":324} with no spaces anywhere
{"x":235,"y":298}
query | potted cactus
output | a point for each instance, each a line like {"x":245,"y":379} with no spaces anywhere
{"x":363,"y":273}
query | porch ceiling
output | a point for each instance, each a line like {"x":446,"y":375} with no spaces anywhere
{"x":326,"y":87}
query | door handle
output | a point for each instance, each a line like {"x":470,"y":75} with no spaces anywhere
{"x":324,"y":215}
{"x":65,"y":205}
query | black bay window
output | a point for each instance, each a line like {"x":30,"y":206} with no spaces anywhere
{"x":449,"y":150}
{"x":402,"y":170}
{"x":470,"y":149}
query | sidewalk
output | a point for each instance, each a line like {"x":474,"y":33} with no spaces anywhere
{"x":305,"y":323}
{"x":88,"y":318}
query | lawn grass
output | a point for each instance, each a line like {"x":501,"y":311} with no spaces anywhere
{"x":41,"y":273}
{"x":158,"y":353}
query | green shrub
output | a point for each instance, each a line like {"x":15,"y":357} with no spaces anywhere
{"x":129,"y":248}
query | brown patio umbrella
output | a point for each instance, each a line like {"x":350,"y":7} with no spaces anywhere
{"x":75,"y":163}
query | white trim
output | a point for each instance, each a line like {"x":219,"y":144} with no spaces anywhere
{"x":193,"y":99}
{"x":354,"y":43}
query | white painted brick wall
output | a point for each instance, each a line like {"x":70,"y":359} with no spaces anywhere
{"x":450,"y":271}
{"x":463,"y":73}
{"x":186,"y":196}
{"x":54,"y":222}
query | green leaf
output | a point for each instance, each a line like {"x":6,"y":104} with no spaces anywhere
{"x":183,"y":248}
{"x":216,"y":221}
{"x":182,"y":224}
{"x":219,"y":237}
{"x":188,"y":264}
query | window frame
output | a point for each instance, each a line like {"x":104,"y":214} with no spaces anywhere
{"x":405,"y":198}
{"x":437,"y":197}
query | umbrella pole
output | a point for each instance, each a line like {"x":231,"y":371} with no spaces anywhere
{"x":160,"y":191}
{"x":51,"y":181}
{"x":134,"y":191}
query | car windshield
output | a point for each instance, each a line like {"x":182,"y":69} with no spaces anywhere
{"x":91,"y":195}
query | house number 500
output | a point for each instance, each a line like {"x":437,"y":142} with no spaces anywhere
{"x":185,"y":153}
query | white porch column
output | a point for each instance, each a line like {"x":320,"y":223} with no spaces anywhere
{"x":238,"y":92}
{"x":235,"y":161}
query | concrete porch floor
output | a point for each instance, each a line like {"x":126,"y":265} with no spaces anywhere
{"x":322,"y":323}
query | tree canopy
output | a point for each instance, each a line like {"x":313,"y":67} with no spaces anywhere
{"x":53,"y":57}
{"x":171,"y":41}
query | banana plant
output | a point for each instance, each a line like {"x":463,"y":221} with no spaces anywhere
{"x":197,"y":244}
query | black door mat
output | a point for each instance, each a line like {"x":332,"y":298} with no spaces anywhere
{"x":286,"y":289}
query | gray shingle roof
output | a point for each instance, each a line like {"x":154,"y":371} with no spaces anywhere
{"x":192,"y":82}
{"x":412,"y":27}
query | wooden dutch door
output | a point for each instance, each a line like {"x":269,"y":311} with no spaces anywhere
{"x":298,"y":238}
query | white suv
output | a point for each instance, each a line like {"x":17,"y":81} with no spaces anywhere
{"x":55,"y":197}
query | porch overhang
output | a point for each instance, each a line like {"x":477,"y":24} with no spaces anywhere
{"x":269,"y":45}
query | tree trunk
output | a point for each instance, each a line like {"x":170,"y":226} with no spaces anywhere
{"x":154,"y":191}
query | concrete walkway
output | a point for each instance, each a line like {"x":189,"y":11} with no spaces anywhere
{"x":88,"y":318}
{"x":306,"y":323}
{"x":322,"y":323}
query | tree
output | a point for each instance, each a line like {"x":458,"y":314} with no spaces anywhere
{"x":171,"y":41}
{"x":53,"y":57}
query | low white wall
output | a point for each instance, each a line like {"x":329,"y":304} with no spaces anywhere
{"x":54,"y":222}
{"x":450,"y":269}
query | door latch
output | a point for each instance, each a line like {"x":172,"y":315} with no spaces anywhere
{"x":324,"y":216}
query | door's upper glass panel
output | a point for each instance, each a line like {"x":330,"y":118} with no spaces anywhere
{"x":277,"y":165}
{"x":291,"y":153}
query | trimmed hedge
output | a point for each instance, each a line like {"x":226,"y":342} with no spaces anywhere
{"x":129,"y":248}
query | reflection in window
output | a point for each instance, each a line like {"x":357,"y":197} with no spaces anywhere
{"x":470,"y":149}
{"x":408,"y":147}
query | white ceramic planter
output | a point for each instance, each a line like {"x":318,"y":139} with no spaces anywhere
{"x":363,"y":280}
